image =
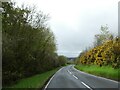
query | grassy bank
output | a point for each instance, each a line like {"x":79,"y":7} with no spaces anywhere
{"x":37,"y":81}
{"x":104,"y":71}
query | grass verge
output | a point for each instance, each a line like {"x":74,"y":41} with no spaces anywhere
{"x":34,"y":82}
{"x":104,"y":71}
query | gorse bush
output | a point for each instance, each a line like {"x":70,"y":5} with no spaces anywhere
{"x":106,"y":50}
{"x":105,"y":54}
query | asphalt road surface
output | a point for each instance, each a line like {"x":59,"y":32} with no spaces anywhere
{"x":69,"y":77}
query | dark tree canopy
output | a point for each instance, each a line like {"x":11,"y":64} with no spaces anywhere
{"x":28,"y":43}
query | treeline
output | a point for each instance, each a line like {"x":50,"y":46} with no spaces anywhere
{"x":28,"y":44}
{"x":105,"y":52}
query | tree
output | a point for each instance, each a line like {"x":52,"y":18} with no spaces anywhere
{"x":62,"y":60}
{"x":28,"y":43}
{"x":103,"y":36}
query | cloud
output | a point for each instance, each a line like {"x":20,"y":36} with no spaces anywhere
{"x":75,"y":22}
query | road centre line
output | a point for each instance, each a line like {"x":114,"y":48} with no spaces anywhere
{"x":69,"y":72}
{"x":86,"y":85}
{"x":75,"y":77}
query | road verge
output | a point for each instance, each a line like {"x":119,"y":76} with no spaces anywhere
{"x":106,"y":71}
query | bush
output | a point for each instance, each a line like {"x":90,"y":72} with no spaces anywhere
{"x":105,"y":54}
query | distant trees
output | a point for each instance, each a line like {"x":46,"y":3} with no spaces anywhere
{"x":62,"y":60}
{"x":28,"y":43}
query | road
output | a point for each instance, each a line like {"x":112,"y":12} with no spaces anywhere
{"x":69,"y":77}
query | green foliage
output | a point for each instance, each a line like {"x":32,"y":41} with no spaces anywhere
{"x":36,"y":81}
{"x":62,"y":60}
{"x":28,"y":44}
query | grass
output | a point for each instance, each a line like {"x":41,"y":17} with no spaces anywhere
{"x":37,"y":81}
{"x":104,"y":71}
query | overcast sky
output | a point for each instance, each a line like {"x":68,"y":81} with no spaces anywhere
{"x":75,"y":22}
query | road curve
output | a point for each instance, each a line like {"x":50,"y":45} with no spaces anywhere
{"x":69,"y":77}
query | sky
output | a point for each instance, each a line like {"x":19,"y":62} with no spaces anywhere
{"x":75,"y":22}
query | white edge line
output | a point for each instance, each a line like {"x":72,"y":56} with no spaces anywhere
{"x":51,"y":79}
{"x":75,"y":77}
{"x":86,"y":85}
{"x":96,"y":76}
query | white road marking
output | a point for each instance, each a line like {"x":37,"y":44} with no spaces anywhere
{"x":51,"y":79}
{"x":75,"y":77}
{"x":69,"y":72}
{"x":86,"y":85}
{"x":59,"y":69}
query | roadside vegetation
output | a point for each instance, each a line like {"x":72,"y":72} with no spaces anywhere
{"x":104,"y":58}
{"x":104,"y":71}
{"x":35,"y":82}
{"x":28,"y":46}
